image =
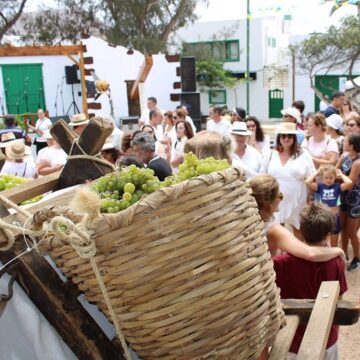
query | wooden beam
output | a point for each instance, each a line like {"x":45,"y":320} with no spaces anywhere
{"x":58,"y":302}
{"x":73,"y":60}
{"x":320,"y":322}
{"x":284,"y":339}
{"x":41,"y":50}
{"x":143,"y":74}
{"x":32,"y":188}
{"x":346,"y":313}
{"x":83,"y":83}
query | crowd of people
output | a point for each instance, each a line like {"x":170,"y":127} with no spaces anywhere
{"x":315,"y":160}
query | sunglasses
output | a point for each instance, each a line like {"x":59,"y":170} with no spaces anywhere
{"x":280,"y":196}
{"x":289,"y":136}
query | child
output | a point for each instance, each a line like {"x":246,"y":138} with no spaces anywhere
{"x":316,"y":223}
{"x":328,"y":193}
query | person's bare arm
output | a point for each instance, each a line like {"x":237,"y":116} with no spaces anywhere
{"x":347,"y":183}
{"x":44,"y":168}
{"x":330,"y":158}
{"x":281,"y":238}
{"x":311,"y":181}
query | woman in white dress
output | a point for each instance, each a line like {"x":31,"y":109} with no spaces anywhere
{"x":290,"y":165}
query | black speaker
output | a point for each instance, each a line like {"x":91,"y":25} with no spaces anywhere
{"x":188,"y":74}
{"x":192,"y":103}
{"x":71,"y":75}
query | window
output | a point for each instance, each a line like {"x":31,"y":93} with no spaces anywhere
{"x":227,"y":50}
{"x":217,"y":96}
{"x":232,"y":50}
{"x":271,"y":42}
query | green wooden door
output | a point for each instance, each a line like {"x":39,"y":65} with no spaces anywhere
{"x":24,"y":89}
{"x":276,"y":103}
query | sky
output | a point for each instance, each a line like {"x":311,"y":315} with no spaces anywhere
{"x":308,"y":15}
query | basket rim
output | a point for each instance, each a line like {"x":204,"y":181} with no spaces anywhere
{"x":173,"y":192}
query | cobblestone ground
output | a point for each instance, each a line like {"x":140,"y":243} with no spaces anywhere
{"x":349,"y":339}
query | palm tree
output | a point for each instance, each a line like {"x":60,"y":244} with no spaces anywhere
{"x":340,"y":3}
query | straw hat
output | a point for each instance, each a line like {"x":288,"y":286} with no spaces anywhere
{"x":293,"y":112}
{"x":17,"y":150}
{"x":286,"y":128}
{"x":334,"y":121}
{"x":6,"y":139}
{"x":79,"y":119}
{"x":240,"y":128}
{"x":108,"y":144}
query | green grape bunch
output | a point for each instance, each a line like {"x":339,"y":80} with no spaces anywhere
{"x":192,"y":167}
{"x":120,"y":190}
{"x":10,"y":181}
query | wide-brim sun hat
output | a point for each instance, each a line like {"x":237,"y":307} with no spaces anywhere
{"x":78,"y":119}
{"x":335,"y":121}
{"x":293,"y":112}
{"x":286,"y":129}
{"x":6,"y":139}
{"x":17,"y":150}
{"x":240,"y":128}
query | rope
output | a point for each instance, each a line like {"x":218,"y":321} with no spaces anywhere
{"x":82,"y":243}
{"x":86,"y":156}
{"x":12,"y":205}
{"x":85,"y":247}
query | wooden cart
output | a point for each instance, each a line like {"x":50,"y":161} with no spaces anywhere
{"x":58,"y":300}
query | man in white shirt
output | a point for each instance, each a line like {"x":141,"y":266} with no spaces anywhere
{"x":155,"y":120}
{"x":145,"y":115}
{"x":217,"y":123}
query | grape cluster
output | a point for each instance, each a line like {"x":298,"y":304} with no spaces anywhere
{"x":120,"y":190}
{"x":192,"y":167}
{"x":10,"y":181}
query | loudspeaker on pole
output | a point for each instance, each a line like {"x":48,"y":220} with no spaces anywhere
{"x":71,"y":76}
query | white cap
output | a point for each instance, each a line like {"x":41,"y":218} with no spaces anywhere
{"x":293,"y":112}
{"x":334,"y":121}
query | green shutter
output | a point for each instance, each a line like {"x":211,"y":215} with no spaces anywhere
{"x":276,"y":103}
{"x":24,"y":88}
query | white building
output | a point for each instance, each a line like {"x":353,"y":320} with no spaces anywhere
{"x":268,"y":61}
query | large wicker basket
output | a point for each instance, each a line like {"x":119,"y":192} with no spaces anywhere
{"x":187,"y":270}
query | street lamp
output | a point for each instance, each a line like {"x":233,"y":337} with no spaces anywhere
{"x":248,"y":57}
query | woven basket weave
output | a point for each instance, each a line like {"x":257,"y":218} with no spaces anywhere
{"x":187,"y":270}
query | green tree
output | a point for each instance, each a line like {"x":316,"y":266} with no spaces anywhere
{"x":145,"y":25}
{"x":336,"y":49}
{"x":10,"y":12}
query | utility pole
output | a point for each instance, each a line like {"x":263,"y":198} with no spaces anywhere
{"x":248,"y":58}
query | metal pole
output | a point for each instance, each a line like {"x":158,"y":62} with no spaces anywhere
{"x":293,"y":74}
{"x":248,"y":58}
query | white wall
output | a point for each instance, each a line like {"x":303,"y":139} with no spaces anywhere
{"x":54,"y":80}
{"x":260,"y":55}
{"x":116,"y":66}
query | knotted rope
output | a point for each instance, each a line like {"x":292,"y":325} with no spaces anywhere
{"x":87,"y":156}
